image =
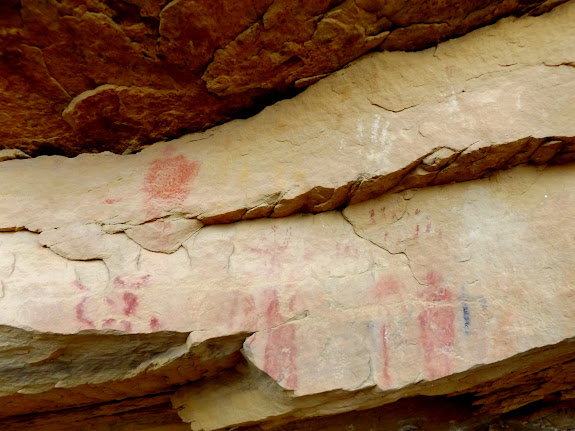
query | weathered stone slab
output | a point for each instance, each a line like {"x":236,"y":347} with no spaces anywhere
{"x":539,"y":376}
{"x":471,"y":274}
{"x":413,"y":286}
{"x":47,"y":372}
{"x":485,"y":101}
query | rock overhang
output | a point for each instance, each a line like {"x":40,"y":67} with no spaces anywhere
{"x":118,"y":75}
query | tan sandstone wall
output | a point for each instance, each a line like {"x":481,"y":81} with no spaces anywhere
{"x":317,"y":258}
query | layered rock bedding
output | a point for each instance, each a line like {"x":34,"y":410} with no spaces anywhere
{"x":392,"y":248}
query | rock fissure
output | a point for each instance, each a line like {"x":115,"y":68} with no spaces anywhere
{"x":380,"y":246}
{"x":482,"y":154}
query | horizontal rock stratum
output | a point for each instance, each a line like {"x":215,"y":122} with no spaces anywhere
{"x":496,"y":98}
{"x":401,"y":229}
{"x":87,"y":76}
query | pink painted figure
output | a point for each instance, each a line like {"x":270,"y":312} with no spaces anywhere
{"x":281,"y":349}
{"x":130,"y":303}
{"x":386,"y":287}
{"x":437,"y":328}
{"x":238,"y":310}
{"x":272,"y":254}
{"x":121,"y":305}
{"x":386,"y":376}
{"x":155,"y":324}
{"x":168,"y":181}
{"x":81,"y":314}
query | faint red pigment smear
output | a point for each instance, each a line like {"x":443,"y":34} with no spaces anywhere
{"x":280,"y":355}
{"x":281,"y":349}
{"x":437,"y":327}
{"x":273,"y":254}
{"x":78,"y":285}
{"x":385,"y":287}
{"x":130,"y":303}
{"x":81,"y":314}
{"x":167,"y":182}
{"x":240,"y":309}
{"x":272,"y":311}
{"x":126,"y":326}
{"x":154,"y":324}
{"x":129,"y":282}
{"x":385,"y":356}
{"x":111,"y":201}
{"x":293,"y":303}
{"x":109,"y":323}
{"x":110,"y":301}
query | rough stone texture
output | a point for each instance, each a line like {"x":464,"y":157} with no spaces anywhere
{"x":360,"y":302}
{"x":83,"y":76}
{"x":438,"y":414}
{"x":46,"y":372}
{"x":498,"y":97}
{"x":436,"y":302}
{"x":152,"y":413}
{"x":122,"y":278}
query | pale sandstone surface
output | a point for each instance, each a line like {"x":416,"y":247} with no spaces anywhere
{"x":120,"y":278}
{"x":410,"y":287}
{"x":489,"y":281}
{"x":87,"y":76}
{"x":497,"y":97}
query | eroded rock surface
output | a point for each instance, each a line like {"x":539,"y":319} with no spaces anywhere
{"x":353,"y":277}
{"x":414,"y":286}
{"x":498,"y":97}
{"x":79,"y":76}
{"x":433,"y":303}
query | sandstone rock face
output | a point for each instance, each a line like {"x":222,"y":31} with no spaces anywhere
{"x":420,"y":290}
{"x":421,"y":293}
{"x":353,"y":276}
{"x":399,"y":120}
{"x":83,"y":76}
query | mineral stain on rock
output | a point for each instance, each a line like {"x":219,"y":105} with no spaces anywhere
{"x":466,"y":318}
